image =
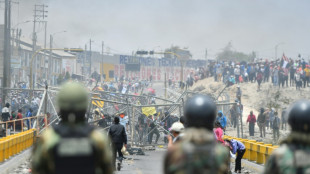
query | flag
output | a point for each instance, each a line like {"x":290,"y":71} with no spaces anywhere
{"x":284,"y":61}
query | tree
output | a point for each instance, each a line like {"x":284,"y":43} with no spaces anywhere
{"x":229,"y":55}
{"x":67,"y":76}
{"x":60,"y":79}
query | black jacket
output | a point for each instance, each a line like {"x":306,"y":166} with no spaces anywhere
{"x":118,"y":133}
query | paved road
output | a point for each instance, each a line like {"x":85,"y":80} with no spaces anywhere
{"x":150,"y":163}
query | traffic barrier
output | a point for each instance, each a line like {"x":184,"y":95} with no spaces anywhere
{"x":255,"y":151}
{"x":14,"y":144}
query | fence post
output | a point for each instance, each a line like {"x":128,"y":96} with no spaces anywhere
{"x":132,"y":125}
{"x":239,"y":115}
{"x":128,"y":114}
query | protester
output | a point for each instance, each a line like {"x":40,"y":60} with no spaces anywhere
{"x":239,"y":148}
{"x":218,"y":132}
{"x":271,"y":117}
{"x":29,"y":121}
{"x":6,"y":112}
{"x":276,"y":127}
{"x":239,"y":94}
{"x":284,"y":118}
{"x":222,"y":119}
{"x":251,"y":120}
{"x":234,"y":112}
{"x":261,"y":122}
{"x":176,"y":129}
{"x":153,"y":128}
{"x":123,"y":120}
{"x":18,"y":124}
{"x":119,"y":139}
{"x":259,"y":79}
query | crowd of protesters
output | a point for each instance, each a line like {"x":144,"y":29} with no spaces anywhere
{"x":20,"y":107}
{"x":281,"y":73}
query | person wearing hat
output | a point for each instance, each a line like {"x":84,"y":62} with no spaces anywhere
{"x":123,"y":120}
{"x":6,"y":112}
{"x":176,"y":129}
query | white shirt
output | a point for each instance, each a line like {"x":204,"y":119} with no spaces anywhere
{"x":5,"y":110}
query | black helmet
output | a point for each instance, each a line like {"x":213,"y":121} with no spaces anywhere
{"x":7,"y":105}
{"x":298,"y":116}
{"x":200,"y":111}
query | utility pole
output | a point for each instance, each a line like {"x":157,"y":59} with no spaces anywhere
{"x":39,"y":16}
{"x":84,"y":60}
{"x":102,"y":60}
{"x":90,"y":57}
{"x":50,"y":61}
{"x":7,"y":49}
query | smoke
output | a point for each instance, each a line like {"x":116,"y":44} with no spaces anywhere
{"x":256,"y":25}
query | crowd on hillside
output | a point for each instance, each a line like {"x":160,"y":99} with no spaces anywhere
{"x":281,"y":73}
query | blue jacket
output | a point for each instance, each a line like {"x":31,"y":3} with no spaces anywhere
{"x":222,"y":120}
{"x":236,"y":145}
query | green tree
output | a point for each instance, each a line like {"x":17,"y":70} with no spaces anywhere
{"x":67,"y":76}
{"x":60,"y":79}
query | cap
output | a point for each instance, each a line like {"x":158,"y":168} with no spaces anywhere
{"x":177,"y":127}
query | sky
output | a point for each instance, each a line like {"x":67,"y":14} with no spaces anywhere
{"x":129,"y":25}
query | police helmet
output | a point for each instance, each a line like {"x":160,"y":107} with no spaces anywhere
{"x":200,"y":111}
{"x":72,"y":100}
{"x":298,"y":116}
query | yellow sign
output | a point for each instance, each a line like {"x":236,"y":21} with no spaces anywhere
{"x":149,"y":111}
{"x":98,"y":103}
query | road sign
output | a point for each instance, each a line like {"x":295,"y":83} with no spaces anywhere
{"x":15,"y":62}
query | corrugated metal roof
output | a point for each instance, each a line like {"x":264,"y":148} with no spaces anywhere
{"x":58,"y":53}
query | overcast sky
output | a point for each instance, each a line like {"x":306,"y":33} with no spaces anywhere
{"x":127,"y":25}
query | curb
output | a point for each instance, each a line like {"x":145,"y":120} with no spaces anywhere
{"x":15,"y":161}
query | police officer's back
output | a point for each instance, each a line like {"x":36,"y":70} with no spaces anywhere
{"x":197,"y":151}
{"x":72,"y":146}
{"x":294,"y":153}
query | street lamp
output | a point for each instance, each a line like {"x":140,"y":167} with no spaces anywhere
{"x":21,"y":23}
{"x":276,"y":49}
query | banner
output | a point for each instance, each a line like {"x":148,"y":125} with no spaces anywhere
{"x":149,"y":111}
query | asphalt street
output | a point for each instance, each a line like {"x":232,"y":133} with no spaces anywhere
{"x":150,"y":163}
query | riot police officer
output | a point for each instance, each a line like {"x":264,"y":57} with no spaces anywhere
{"x":72,"y":146}
{"x":294,"y":153}
{"x":197,"y":151}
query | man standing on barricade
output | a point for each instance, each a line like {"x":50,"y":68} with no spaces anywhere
{"x":197,"y":151}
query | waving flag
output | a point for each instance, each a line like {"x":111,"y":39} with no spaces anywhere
{"x":284,"y":61}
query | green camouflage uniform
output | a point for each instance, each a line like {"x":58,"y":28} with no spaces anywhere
{"x":197,"y":152}
{"x":293,"y":156}
{"x":42,"y":161}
